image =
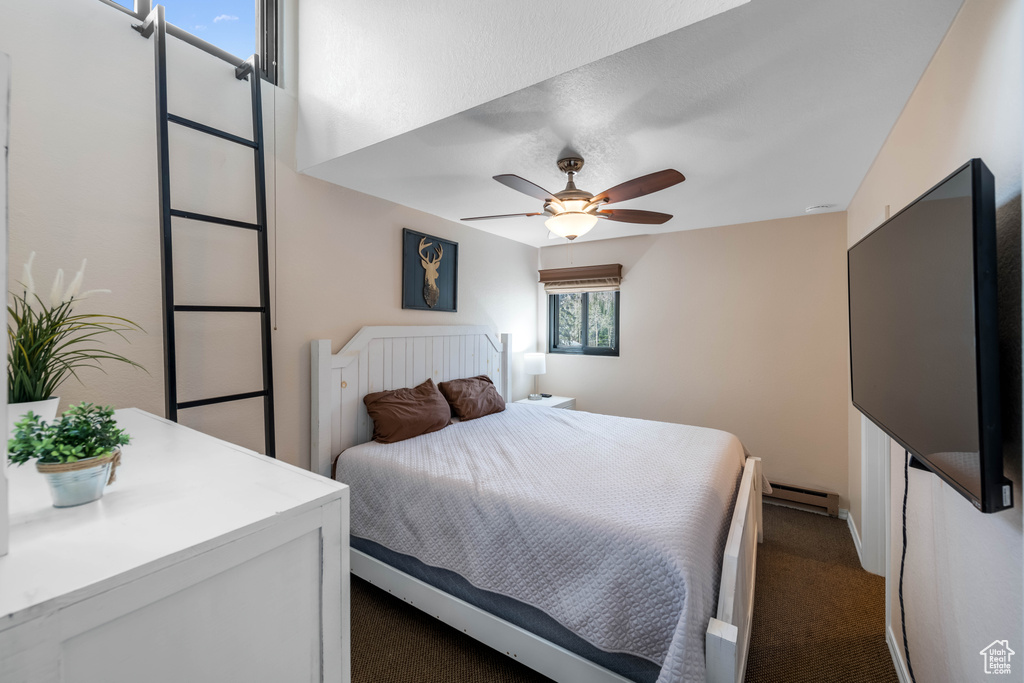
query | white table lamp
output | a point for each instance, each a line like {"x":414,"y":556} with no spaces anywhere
{"x":534,"y":364}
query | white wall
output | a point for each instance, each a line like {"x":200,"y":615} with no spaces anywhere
{"x":738,"y":328}
{"x":963,"y":586}
{"x":4,"y":82}
{"x":373,"y":69}
{"x":83,"y":182}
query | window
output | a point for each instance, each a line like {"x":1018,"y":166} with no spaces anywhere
{"x":583,"y":309}
{"x":228,"y":24}
{"x":238,"y":27}
{"x":584,"y":322}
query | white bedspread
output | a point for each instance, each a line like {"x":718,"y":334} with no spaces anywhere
{"x":615,"y":527}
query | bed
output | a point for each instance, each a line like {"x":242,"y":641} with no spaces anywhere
{"x":504,"y":528}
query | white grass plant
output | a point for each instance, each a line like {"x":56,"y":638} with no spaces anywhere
{"x":48,"y":342}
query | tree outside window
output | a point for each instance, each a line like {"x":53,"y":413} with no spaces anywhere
{"x":584,"y":323}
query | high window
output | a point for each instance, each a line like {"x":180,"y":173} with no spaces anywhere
{"x":228,"y":24}
{"x":240,"y":28}
{"x":583,"y":309}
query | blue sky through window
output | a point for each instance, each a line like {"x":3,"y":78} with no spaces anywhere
{"x":228,"y":24}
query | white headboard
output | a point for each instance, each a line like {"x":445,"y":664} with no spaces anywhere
{"x":384,"y":358}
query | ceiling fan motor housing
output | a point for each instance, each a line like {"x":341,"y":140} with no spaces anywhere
{"x":570,"y":166}
{"x":572,"y":210}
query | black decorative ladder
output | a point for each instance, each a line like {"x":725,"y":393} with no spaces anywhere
{"x":156,"y":26}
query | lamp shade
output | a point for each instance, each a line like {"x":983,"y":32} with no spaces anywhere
{"x":571,"y":224}
{"x":534,"y":363}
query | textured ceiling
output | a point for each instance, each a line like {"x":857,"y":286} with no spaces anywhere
{"x":374,"y":69}
{"x":766,"y":109}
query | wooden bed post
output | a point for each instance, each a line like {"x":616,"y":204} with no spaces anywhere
{"x":320,"y":407}
{"x":759,"y":492}
{"x":503,"y":371}
{"x":727,"y":640}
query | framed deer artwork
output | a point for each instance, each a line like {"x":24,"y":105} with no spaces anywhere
{"x":430,"y":272}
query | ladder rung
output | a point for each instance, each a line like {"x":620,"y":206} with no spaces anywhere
{"x":191,"y":215}
{"x":220,"y":399}
{"x":209,"y":130}
{"x":219,"y":309}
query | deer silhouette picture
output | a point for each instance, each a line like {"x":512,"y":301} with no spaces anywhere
{"x":430,"y":291}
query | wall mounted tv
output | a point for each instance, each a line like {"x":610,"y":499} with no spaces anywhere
{"x":924,"y":352}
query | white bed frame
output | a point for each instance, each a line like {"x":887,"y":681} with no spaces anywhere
{"x":382,"y":358}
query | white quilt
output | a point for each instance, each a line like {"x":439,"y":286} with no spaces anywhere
{"x":614,"y":527}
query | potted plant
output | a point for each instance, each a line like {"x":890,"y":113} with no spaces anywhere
{"x":77,"y":454}
{"x":47,"y":342}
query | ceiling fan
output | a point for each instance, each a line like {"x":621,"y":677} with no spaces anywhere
{"x":573,"y":212}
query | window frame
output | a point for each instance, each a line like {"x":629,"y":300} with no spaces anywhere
{"x":266,"y":34}
{"x":585,"y":349}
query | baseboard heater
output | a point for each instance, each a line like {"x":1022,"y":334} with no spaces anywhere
{"x":803,"y":498}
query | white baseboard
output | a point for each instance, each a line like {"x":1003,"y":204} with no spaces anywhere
{"x":897,"y":656}
{"x":856,"y":538}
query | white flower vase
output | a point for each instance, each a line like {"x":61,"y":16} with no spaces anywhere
{"x":47,"y":410}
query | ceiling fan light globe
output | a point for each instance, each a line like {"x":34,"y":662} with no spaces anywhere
{"x":571,"y":224}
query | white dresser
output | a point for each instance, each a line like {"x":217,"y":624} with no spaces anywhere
{"x":203,"y":562}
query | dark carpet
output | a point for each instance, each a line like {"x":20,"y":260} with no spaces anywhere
{"x":817,"y":617}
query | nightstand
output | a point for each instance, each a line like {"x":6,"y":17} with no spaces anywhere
{"x":553,"y":402}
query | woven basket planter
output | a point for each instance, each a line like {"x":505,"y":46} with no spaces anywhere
{"x":80,"y":482}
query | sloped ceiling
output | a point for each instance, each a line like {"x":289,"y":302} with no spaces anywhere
{"x":373,"y":69}
{"x":766,"y":109}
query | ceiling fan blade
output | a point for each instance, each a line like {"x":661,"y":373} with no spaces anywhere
{"x":504,"y":215}
{"x":635,"y":216}
{"x":638,"y":187}
{"x":524,"y":186}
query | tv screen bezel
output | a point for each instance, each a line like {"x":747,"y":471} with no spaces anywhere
{"x":994,"y":495}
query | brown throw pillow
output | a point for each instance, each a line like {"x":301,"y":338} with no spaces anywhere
{"x":404,"y":413}
{"x":472,"y":397}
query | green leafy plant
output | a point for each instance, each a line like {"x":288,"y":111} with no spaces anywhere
{"x":83,"y":431}
{"x":49,"y":342}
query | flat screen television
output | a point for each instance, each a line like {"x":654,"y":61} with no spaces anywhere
{"x":924,"y":353}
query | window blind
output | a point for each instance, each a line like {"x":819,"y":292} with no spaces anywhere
{"x":604,"y":278}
